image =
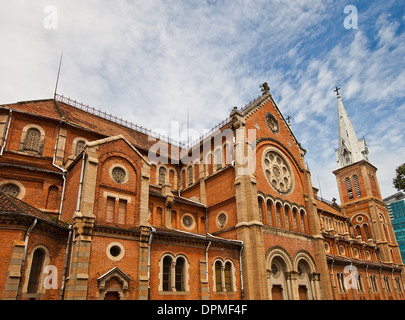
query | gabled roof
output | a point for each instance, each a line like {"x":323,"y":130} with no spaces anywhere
{"x":115,"y":138}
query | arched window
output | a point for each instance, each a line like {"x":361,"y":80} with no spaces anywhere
{"x":190,"y":175}
{"x":32,"y":140}
{"x":162,"y":176}
{"x":356,"y":186}
{"x":218,"y":271}
{"x":349,"y":188}
{"x":179,"y":274}
{"x":79,"y":147}
{"x":224,"y":280}
{"x":36,"y":270}
{"x":167,"y":273}
{"x":387,"y":284}
{"x":269,"y":209}
{"x":260,"y":205}
{"x":228,"y":276}
{"x":173,"y":273}
{"x":374,"y":284}
{"x":360,"y":287}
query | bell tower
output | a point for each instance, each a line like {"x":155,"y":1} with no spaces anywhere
{"x":359,"y":191}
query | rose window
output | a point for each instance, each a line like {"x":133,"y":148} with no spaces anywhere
{"x":277,"y":172}
{"x":118,"y":174}
{"x":11,"y":189}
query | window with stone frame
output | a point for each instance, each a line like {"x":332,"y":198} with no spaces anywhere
{"x":79,"y":147}
{"x":190,"y":175}
{"x":32,"y":140}
{"x":36,"y":270}
{"x":224,"y":280}
{"x":173,"y":273}
{"x":11,"y":189}
{"x":162,"y":176}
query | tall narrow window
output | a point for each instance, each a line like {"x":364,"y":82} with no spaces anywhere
{"x":278,"y":209}
{"x":218,"y":281}
{"x":32,"y":140}
{"x":302,"y":220}
{"x":167,"y":273}
{"x":190,"y":175}
{"x":356,"y":186}
{"x":162,"y":176}
{"x":295,"y":218}
{"x":79,"y":147}
{"x":269,"y":205}
{"x":374,"y":283}
{"x":122,"y":210}
{"x":349,"y":188}
{"x":228,"y":276}
{"x":179,"y":274}
{"x":110,"y":208}
{"x":260,"y":205}
{"x":36,"y":269}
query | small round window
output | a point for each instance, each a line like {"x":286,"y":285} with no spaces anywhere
{"x":221,"y":220}
{"x":188,"y":221}
{"x":11,"y":189}
{"x":119,"y":175}
{"x":115,"y":251}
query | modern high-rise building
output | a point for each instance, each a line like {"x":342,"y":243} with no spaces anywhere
{"x":396,"y":208}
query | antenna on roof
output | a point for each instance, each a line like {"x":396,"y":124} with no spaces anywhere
{"x":57,"y":78}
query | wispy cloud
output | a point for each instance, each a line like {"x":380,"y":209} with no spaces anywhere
{"x":153,"y":61}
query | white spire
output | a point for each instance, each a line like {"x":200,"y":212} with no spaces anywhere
{"x":351,"y":149}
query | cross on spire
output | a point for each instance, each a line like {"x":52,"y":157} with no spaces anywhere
{"x":337,"y":91}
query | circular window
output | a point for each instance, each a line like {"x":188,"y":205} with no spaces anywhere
{"x":11,"y":189}
{"x":356,"y":253}
{"x":221,"y":220}
{"x":118,"y":174}
{"x":327,"y":247}
{"x":272,"y":123}
{"x":359,"y":219}
{"x":277,"y":172}
{"x":115,"y":251}
{"x":188,"y":221}
{"x":342,"y":250}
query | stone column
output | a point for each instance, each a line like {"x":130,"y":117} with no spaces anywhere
{"x":14,"y":271}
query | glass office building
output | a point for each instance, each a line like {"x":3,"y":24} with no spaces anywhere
{"x":396,"y":207}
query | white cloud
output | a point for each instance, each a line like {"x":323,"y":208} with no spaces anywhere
{"x":152,"y":61}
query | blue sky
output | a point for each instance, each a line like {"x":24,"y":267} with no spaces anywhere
{"x":153,"y":61}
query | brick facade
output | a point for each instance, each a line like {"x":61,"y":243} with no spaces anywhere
{"x":114,"y":224}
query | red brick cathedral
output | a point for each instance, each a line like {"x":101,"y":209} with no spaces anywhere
{"x":92,"y":208}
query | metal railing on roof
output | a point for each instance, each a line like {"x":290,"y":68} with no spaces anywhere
{"x":150,"y":133}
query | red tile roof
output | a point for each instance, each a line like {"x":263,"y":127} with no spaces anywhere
{"x":10,"y":204}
